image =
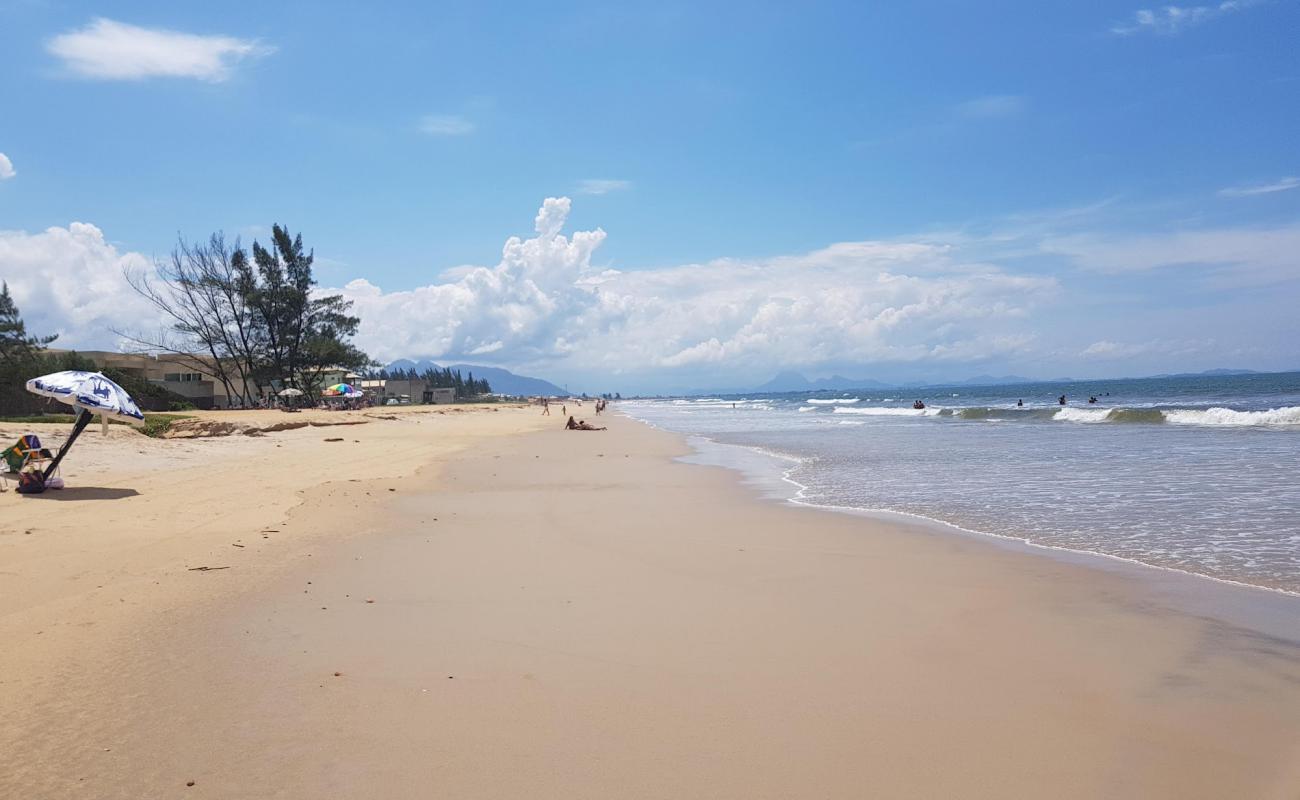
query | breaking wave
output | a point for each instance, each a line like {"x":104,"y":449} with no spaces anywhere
{"x":836,"y":401}
{"x":1287,"y":415}
{"x":878,"y":411}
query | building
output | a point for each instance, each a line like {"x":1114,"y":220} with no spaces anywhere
{"x":381,"y":390}
{"x":202,"y":388}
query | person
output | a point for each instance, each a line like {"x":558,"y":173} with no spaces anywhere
{"x":1061,"y":399}
{"x":546,"y":408}
{"x":570,"y":425}
{"x":1020,"y":403}
{"x":918,"y":405}
{"x":583,"y":426}
{"x":564,"y":409}
{"x":1092,"y":399}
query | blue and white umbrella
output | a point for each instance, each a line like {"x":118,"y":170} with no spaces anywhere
{"x":90,"y":393}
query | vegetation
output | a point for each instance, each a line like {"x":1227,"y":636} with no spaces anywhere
{"x":254,"y":323}
{"x":23,"y":357}
{"x":446,"y":378}
{"x":156,"y":425}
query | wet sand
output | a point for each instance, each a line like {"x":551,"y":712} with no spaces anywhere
{"x":570,"y":614}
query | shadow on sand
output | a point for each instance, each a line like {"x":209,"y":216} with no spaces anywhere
{"x":85,"y":493}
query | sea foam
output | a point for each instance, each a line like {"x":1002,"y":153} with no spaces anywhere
{"x":1287,"y":415}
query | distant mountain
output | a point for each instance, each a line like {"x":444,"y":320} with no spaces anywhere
{"x":502,"y":381}
{"x":1210,"y":373}
{"x":794,"y":382}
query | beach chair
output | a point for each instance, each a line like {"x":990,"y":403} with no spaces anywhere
{"x":26,"y":459}
{"x":27,"y":451}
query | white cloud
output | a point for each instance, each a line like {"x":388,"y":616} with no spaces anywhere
{"x":110,"y":50}
{"x":548,"y":307}
{"x":1169,"y":20}
{"x":545,"y":303}
{"x":992,"y":106}
{"x":1231,"y":256}
{"x":69,"y":281}
{"x":602,"y":185}
{"x":1106,"y":350}
{"x":446,"y":125}
{"x":1280,"y":185}
{"x":6,"y":168}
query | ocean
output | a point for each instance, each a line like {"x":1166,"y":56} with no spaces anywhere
{"x":1196,"y":474}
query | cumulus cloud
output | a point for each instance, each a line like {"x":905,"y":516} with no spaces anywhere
{"x":546,"y":303}
{"x":445,"y":125}
{"x":1169,"y":20}
{"x":602,"y":185}
{"x":69,"y":281}
{"x":6,"y":168}
{"x":110,"y":50}
{"x":1280,"y":185}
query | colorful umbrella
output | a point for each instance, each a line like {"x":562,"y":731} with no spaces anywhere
{"x":342,"y":390}
{"x":90,"y":393}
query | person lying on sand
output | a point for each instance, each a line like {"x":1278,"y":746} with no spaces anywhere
{"x":580,"y":425}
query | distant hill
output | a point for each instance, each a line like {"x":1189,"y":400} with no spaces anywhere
{"x":502,"y":381}
{"x":1210,"y":373}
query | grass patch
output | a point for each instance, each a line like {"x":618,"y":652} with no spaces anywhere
{"x":155,"y":425}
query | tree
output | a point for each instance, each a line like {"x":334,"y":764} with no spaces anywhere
{"x":202,"y":293}
{"x":16,"y":347}
{"x":23,"y":357}
{"x":253,"y":323}
{"x":299,"y":335}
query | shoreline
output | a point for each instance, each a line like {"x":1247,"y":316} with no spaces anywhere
{"x":1094,"y":558}
{"x":561,"y":615}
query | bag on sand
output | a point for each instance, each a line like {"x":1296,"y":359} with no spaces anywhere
{"x":32,"y":482}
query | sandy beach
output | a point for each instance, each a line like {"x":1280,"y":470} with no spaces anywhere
{"x":476,"y":603}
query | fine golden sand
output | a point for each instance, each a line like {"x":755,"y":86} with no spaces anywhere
{"x":477,"y":604}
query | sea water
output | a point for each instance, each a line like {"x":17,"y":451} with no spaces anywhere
{"x":1200,"y":474}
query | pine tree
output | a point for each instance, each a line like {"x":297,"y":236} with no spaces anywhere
{"x":15,"y":345}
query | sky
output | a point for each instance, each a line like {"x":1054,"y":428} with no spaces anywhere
{"x":672,"y":196}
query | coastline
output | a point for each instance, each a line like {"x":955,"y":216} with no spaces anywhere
{"x":1265,"y":609}
{"x":573,"y":615}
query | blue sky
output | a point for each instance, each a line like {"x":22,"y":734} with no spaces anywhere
{"x":1095,"y":188}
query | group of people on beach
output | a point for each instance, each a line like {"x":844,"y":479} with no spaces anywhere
{"x":571,"y":424}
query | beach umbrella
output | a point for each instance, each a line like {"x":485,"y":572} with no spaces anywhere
{"x":342,"y":390}
{"x":90,"y":393}
{"x":290,"y":392}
